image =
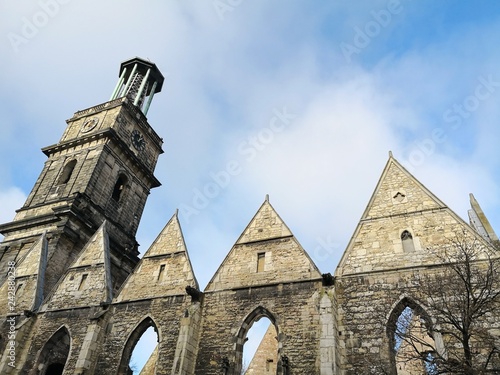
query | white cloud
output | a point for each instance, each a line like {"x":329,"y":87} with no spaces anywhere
{"x":225,"y":78}
{"x":10,"y":200}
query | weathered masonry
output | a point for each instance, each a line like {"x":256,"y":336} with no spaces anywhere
{"x":83,"y":298}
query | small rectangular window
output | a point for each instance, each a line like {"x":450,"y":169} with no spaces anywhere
{"x":83,"y":281}
{"x":19,"y":286}
{"x":268,"y":364}
{"x":261,"y":258}
{"x":160,"y":274}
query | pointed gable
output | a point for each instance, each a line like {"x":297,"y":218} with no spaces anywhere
{"x":30,"y":274}
{"x":34,"y":259}
{"x":169,"y":241}
{"x":96,"y":251}
{"x":402,"y":220}
{"x":265,"y":225}
{"x":165,"y":268}
{"x":265,"y":253}
{"x":88,"y":281}
{"x":398,"y":192}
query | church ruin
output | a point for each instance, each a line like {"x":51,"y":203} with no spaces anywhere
{"x":83,"y":298}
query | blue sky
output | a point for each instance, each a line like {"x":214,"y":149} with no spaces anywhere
{"x":352,"y":80}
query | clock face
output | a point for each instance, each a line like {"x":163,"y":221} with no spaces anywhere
{"x":138,"y":140}
{"x":89,"y":124}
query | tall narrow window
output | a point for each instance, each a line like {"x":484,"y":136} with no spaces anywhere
{"x":160,"y":273}
{"x":66,"y":172}
{"x":261,"y":258}
{"x":119,"y":187}
{"x":83,"y":281}
{"x":407,"y":240}
{"x":257,"y":345}
{"x":19,"y":286}
{"x":141,"y":345}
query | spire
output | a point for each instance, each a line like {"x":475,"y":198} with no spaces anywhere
{"x":139,"y":81}
{"x":480,"y":222}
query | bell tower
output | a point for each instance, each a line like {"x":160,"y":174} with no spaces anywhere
{"x":100,"y":170}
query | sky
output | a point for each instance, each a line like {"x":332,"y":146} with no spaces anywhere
{"x":296,"y":99}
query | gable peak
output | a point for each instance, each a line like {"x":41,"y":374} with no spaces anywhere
{"x":265,"y":225}
{"x":96,"y":250}
{"x":169,"y":241}
{"x":398,"y":192}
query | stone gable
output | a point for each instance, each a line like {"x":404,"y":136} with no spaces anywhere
{"x":265,"y":225}
{"x":73,"y":243}
{"x":398,"y":192}
{"x":266,"y":253}
{"x":88,"y":280}
{"x":392,"y":221}
{"x":165,"y":268}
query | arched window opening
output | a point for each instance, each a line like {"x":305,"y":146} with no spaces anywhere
{"x":407,"y":240}
{"x":120,"y":185}
{"x":54,"y":353}
{"x":260,"y":350}
{"x":66,"y":172}
{"x":412,"y":344}
{"x":141,"y":350}
{"x":258,"y":347}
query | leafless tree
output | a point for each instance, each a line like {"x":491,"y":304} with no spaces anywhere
{"x":457,"y":330}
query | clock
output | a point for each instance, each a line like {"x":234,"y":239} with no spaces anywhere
{"x":138,"y":140}
{"x":89,"y":124}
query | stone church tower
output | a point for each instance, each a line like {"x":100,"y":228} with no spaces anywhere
{"x":76,"y":298}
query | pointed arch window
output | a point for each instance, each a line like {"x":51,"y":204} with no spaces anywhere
{"x":54,"y":353}
{"x":407,"y":241}
{"x":119,"y":187}
{"x":266,"y":326}
{"x":140,"y":341}
{"x":66,"y":172}
{"x":411,"y":339}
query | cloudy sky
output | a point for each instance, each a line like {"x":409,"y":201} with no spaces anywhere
{"x":296,"y":99}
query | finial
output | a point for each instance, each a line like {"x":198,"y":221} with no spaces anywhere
{"x":267,"y":197}
{"x":176,"y":212}
{"x":390,"y":154}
